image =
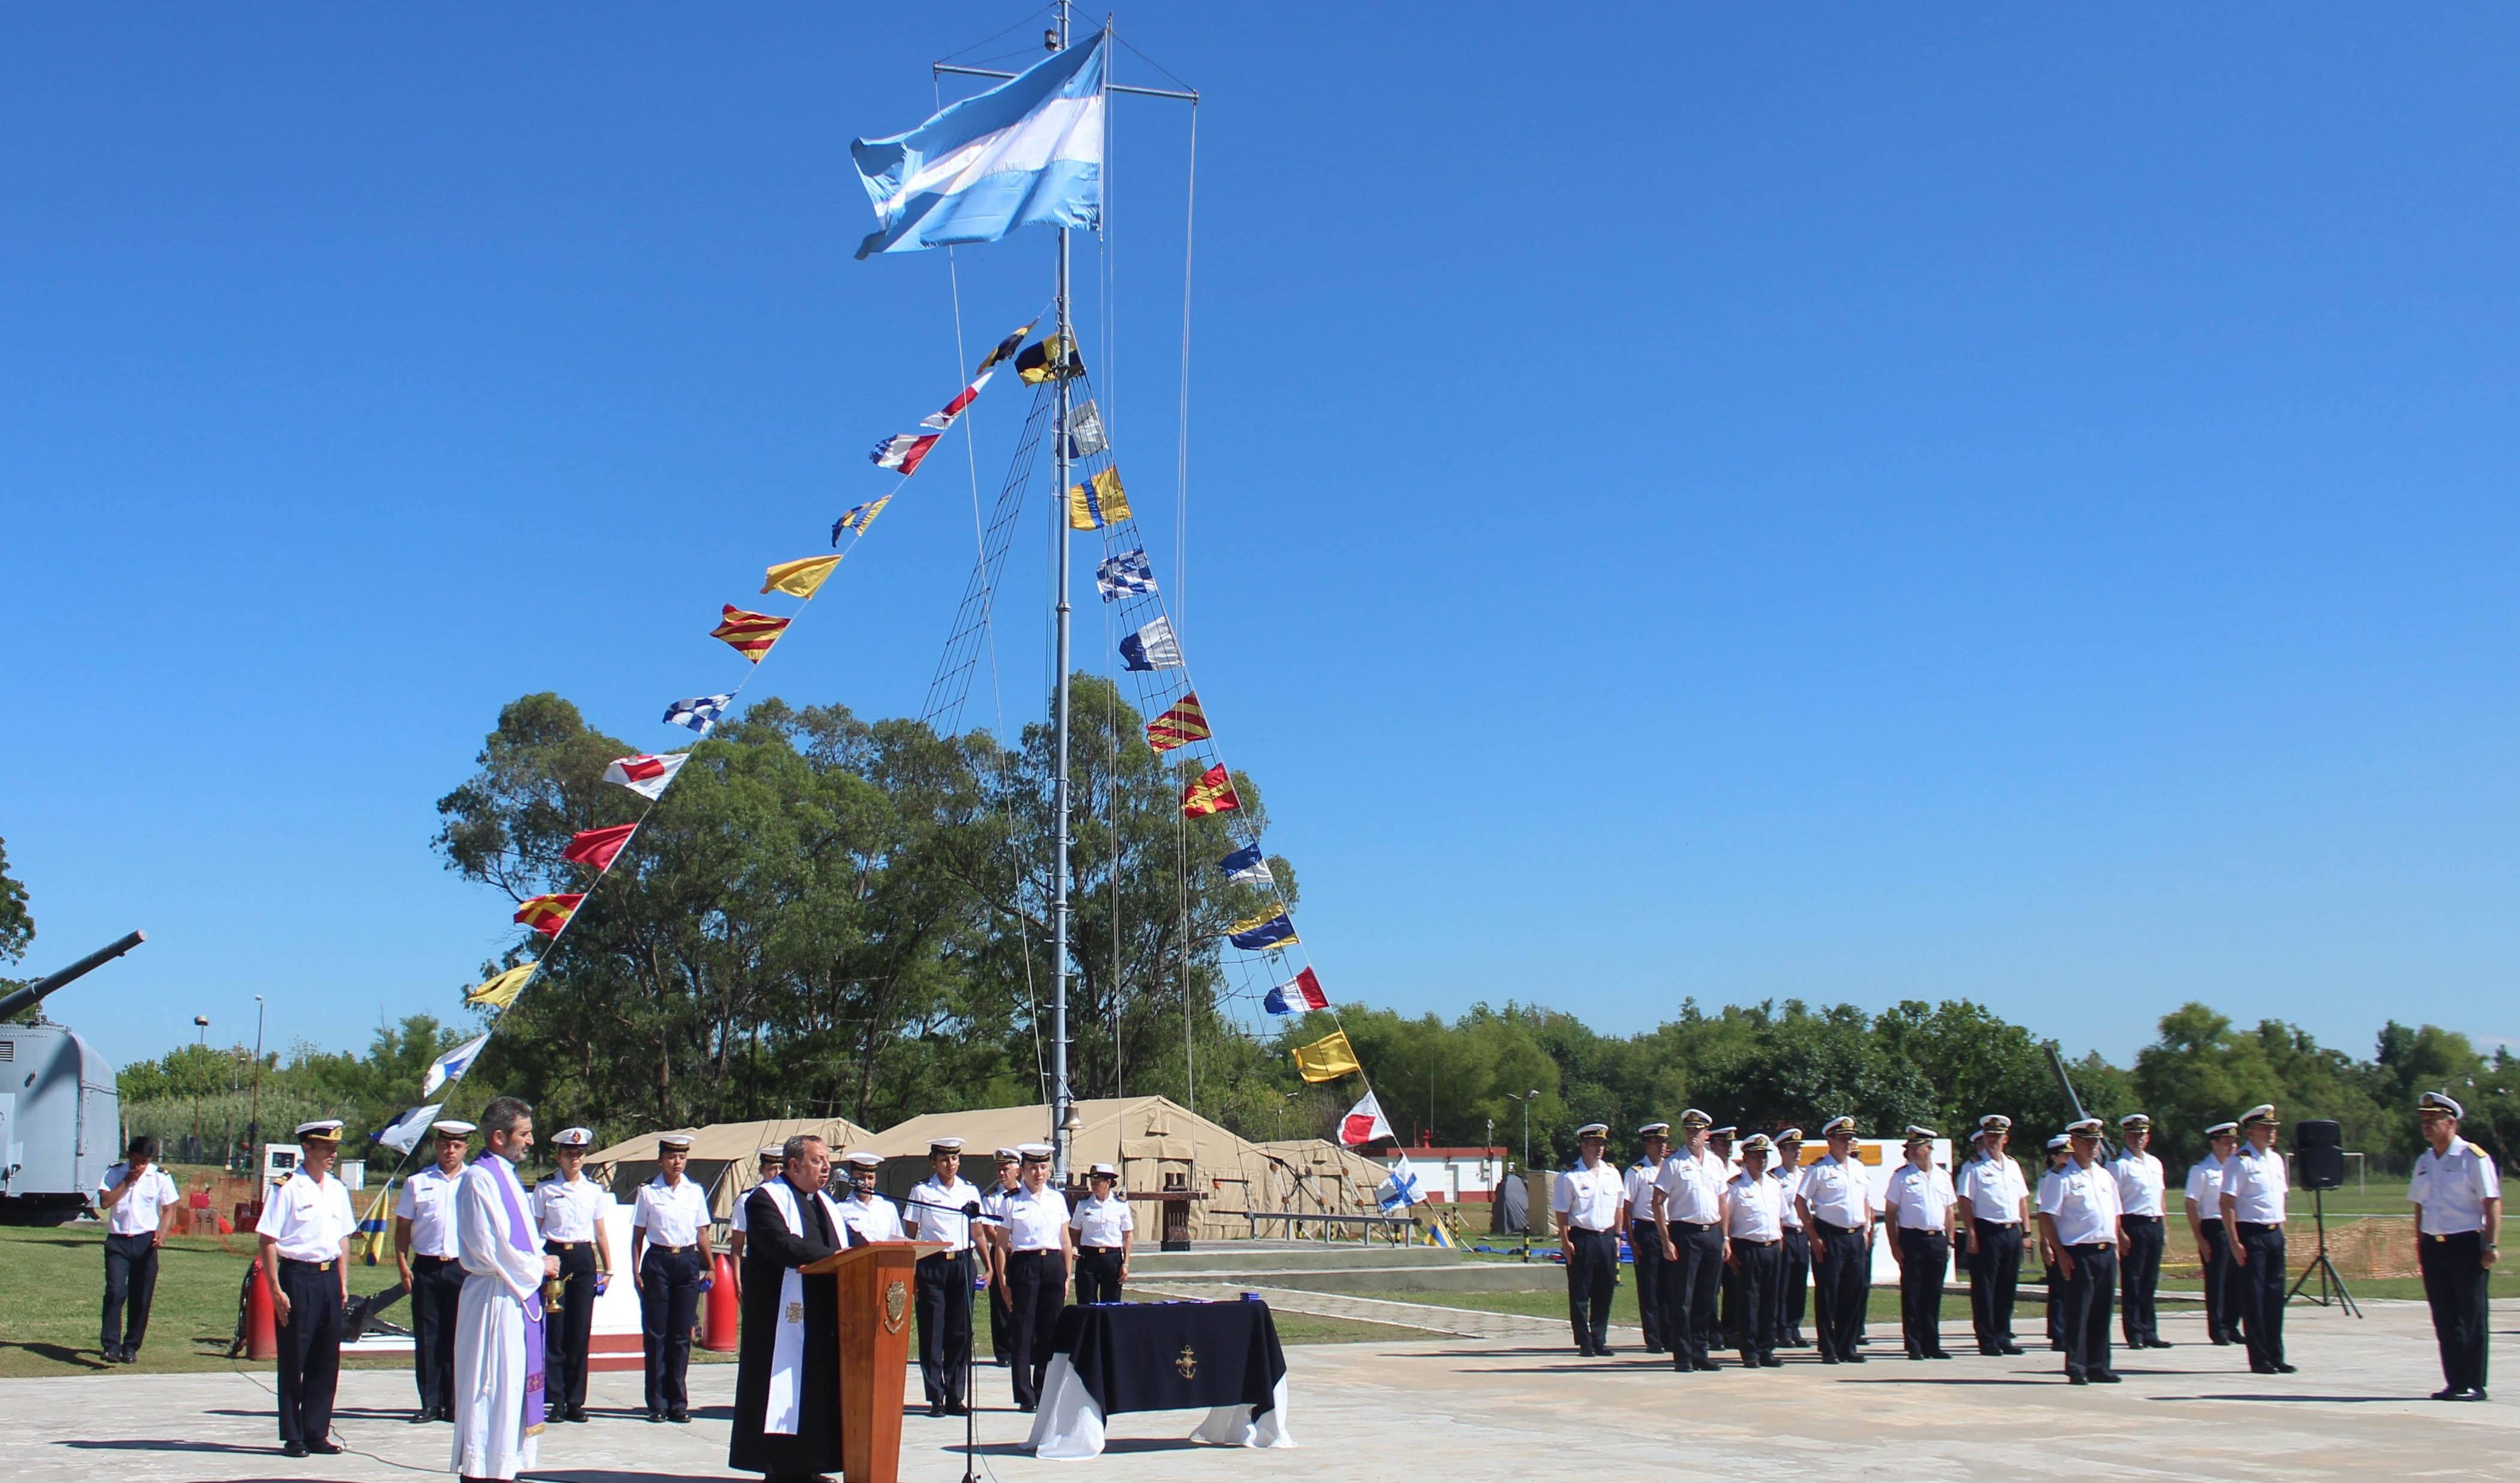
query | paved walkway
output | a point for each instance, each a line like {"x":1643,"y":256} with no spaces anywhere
{"x":1466,"y":1410}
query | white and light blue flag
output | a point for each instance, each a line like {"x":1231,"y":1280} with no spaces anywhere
{"x":1246,"y":866}
{"x":452,"y":1065}
{"x":1122,"y":574}
{"x":1026,"y":152}
{"x":1400,"y":1190}
{"x":405,"y":1131}
{"x":1153,"y":647}
{"x":699,"y":712}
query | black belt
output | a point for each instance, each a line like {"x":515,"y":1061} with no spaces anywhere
{"x":1743,"y":1241}
{"x":2092,"y":1246}
{"x":573,"y":1245}
{"x":2155,"y":1219}
{"x":439,"y":1261}
{"x":671,"y":1250}
{"x":1987,"y":1225}
{"x":323,"y":1265}
{"x":1830,"y":1228}
{"x":2453,"y":1236}
{"x":1697,"y":1225}
{"x":2261,"y":1226}
{"x":1100,"y":1251}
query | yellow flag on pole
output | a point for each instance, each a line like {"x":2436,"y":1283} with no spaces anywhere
{"x":499,"y":990}
{"x":1326,"y":1059}
{"x":798,"y":578}
{"x":1098,"y":502}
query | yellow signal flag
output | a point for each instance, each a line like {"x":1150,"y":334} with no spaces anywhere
{"x":1098,"y":502}
{"x":800,"y":578}
{"x":499,"y":990}
{"x":1326,"y":1059}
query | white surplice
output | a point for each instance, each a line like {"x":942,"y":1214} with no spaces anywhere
{"x":499,"y":1279}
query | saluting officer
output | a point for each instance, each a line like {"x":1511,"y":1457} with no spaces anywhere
{"x":669,"y":1259}
{"x":1793,"y":1264}
{"x":1644,"y":1238}
{"x":1994,"y":1220}
{"x":2143,"y":1191}
{"x":1688,"y":1216}
{"x":2078,"y":1222}
{"x":939,"y":1211}
{"x":1919,"y":1206}
{"x":1587,"y":1204}
{"x":2458,"y":1223}
{"x":1754,"y":1232}
{"x":1039,"y":1243}
{"x":305,"y":1233}
{"x":996,"y":1251}
{"x":1105,"y":1230}
{"x":569,"y":1210}
{"x":425,"y":1250}
{"x":2213,"y":1241}
{"x":1837,"y":1209}
{"x":2255,"y":1184}
{"x":139,"y":1200}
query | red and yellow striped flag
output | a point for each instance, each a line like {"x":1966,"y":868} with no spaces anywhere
{"x":1212,"y":794}
{"x":547,"y":914}
{"x":750,"y":633}
{"x":1180,"y":725}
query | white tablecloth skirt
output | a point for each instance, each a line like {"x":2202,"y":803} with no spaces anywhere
{"x":1068,"y":1428}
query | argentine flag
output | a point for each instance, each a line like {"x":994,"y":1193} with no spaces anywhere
{"x":1026,"y":152}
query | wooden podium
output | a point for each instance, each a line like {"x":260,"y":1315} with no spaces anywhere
{"x":878,"y":1282}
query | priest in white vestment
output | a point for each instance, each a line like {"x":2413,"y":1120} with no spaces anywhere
{"x":498,"y":1325}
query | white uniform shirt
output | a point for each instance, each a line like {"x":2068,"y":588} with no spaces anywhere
{"x":2205,"y":1187}
{"x":427,"y":1202}
{"x":993,"y":1206}
{"x":141,"y":1210}
{"x":569,"y":1209}
{"x":2258,"y":1183}
{"x":1587,"y":1195}
{"x":948,"y":1225}
{"x":1638,"y":1188}
{"x":2084,"y":1203}
{"x":874,"y":1217}
{"x":1994,"y":1188}
{"x":1102,"y":1220}
{"x":1840,"y":1193}
{"x":1920,"y":1200}
{"x":672,"y":1215}
{"x":2142,"y":1183}
{"x":1750,"y":1212}
{"x":2451,"y":1188}
{"x":1789,"y":1183}
{"x":1033,"y":1219}
{"x":1693,"y":1188}
{"x":307,"y":1219}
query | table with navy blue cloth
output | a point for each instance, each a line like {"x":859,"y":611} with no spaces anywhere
{"x":1110,"y":1358}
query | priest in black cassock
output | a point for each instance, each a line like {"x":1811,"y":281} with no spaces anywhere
{"x":788,"y":1371}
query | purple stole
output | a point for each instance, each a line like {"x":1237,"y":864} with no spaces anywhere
{"x":521,"y":1235}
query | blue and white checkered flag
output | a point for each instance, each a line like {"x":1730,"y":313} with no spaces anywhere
{"x":1122,"y":574}
{"x":699,"y":712}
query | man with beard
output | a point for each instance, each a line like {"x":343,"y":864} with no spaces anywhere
{"x":788,"y":1368}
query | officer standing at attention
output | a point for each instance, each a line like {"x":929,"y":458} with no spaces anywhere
{"x":1918,"y":1207}
{"x":140,"y":1201}
{"x":1644,"y":1238}
{"x":669,"y":1259}
{"x":1993,"y":1218}
{"x":305,"y":1233}
{"x":2205,"y":1227}
{"x":568,"y":1211}
{"x":995,"y":1251}
{"x":1837,"y":1210}
{"x":737,"y":1223}
{"x":1728,"y":1307}
{"x":425,"y":1250}
{"x":1038,"y":1243}
{"x":868,"y":1214}
{"x":1104,"y":1232}
{"x":2078,"y":1223}
{"x":2255,"y":1184}
{"x":1754,"y":1232}
{"x":1587,"y":1204}
{"x":938,"y":1207}
{"x":1794,"y":1266}
{"x":2458,"y":1223}
{"x":2060,"y":1156}
{"x":1689,"y":1217}
{"x":2142,"y":1203}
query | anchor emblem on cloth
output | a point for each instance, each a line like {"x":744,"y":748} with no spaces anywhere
{"x":1188,"y":1364}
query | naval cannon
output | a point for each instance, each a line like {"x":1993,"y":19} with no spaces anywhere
{"x":60,"y":1115}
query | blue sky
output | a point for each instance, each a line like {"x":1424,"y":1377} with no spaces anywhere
{"x":1717,"y":500}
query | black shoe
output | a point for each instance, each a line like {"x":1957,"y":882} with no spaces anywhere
{"x":1027,"y":1408}
{"x":2105,"y":1377}
{"x":2474,"y":1393}
{"x":657,"y":1417}
{"x":2450,"y":1393}
{"x":1938,"y":1354}
{"x":2261,"y":1370}
{"x":936,"y":1408}
{"x":2283,"y":1368}
{"x":576,"y":1412}
{"x":1829,"y":1359}
{"x":446,"y":1414}
{"x":1656,"y":1349}
{"x":1915,"y":1354}
{"x":1771,"y":1361}
{"x":293,"y":1449}
{"x":957,"y":1409}
{"x":1583,"y":1351}
{"x":1706,"y":1363}
{"x":1851,"y":1359}
{"x":679,"y":1418}
{"x":1603,"y":1351}
{"x":323,"y":1449}
{"x":423,"y":1416}
{"x":2158,"y":1344}
{"x":2077,"y":1379}
{"x":2014,"y":1349}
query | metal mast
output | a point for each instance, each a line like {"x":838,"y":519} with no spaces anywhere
{"x":1065,"y":342}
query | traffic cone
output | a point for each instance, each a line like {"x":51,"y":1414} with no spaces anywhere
{"x":718,"y":1333}
{"x":261,"y":1334}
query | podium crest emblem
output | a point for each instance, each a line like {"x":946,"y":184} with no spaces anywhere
{"x":1187,"y":1362}
{"x":896,"y":1302}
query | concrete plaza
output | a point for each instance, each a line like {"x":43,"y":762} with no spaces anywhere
{"x":1469,"y":1408}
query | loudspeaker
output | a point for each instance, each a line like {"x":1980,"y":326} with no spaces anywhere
{"x":2319,"y":1153}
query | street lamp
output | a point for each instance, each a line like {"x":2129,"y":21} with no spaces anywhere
{"x":201,"y":1042}
{"x":254,"y":1117}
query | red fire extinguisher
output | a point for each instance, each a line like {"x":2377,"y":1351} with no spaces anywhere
{"x":261,"y":1333}
{"x":718,"y":1333}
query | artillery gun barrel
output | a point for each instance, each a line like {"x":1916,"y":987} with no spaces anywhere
{"x":35,"y":993}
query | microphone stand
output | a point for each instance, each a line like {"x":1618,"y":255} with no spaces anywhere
{"x":969,"y":1210}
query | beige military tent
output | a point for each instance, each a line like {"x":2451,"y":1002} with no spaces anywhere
{"x":1156,"y":1145}
{"x":724,"y":1155}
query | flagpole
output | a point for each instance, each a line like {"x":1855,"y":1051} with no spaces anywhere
{"x":1066,"y":340}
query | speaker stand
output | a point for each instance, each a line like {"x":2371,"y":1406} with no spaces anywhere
{"x":2331,"y":1283}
